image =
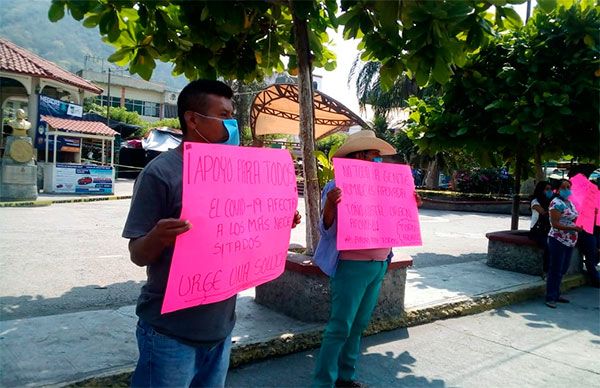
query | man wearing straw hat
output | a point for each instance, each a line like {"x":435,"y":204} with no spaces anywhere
{"x":356,"y":275}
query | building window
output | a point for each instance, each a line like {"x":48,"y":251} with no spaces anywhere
{"x":114,"y":101}
{"x":143,"y":108}
{"x":170,"y":111}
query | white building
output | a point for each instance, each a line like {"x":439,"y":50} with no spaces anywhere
{"x":152,"y":101}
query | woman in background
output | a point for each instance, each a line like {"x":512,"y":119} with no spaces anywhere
{"x":540,"y":220}
{"x":561,"y":240}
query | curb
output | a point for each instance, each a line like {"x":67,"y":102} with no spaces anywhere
{"x":292,"y":343}
{"x":48,"y":202}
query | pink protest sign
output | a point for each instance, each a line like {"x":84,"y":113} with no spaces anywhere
{"x":585,"y":198}
{"x":598,"y":210}
{"x":378,"y":207}
{"x":241,"y":202}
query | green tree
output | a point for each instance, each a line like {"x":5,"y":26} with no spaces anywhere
{"x":370,"y":92}
{"x":425,"y":39}
{"x":246,"y":40}
{"x":532,"y":93}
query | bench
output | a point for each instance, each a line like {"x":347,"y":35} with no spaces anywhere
{"x":302,"y":291}
{"x":513,"y":250}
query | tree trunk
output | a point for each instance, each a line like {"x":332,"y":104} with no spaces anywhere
{"x":514,"y":222}
{"x":433,"y":174}
{"x":307,"y":131}
{"x":537,"y":159}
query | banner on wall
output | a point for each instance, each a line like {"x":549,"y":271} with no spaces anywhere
{"x":378,"y":207}
{"x":241,"y":203}
{"x":49,"y":106}
{"x":83,"y":179}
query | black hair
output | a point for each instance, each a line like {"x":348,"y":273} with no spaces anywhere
{"x":540,"y":195}
{"x":193,"y":97}
{"x":584,"y":169}
{"x":354,"y":155}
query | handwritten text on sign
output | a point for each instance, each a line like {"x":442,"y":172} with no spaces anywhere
{"x":378,"y":207}
{"x":585,"y":198}
{"x":241,"y":202}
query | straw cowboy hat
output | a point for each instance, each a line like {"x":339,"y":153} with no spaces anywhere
{"x":363,"y":141}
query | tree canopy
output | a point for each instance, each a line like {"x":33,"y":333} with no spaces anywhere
{"x":534,"y":87}
{"x":531,"y":93}
{"x":246,"y":40}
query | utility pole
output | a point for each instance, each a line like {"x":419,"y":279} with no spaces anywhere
{"x":108,"y":100}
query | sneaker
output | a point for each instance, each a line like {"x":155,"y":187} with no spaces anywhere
{"x":348,"y":383}
{"x":563,"y":300}
{"x":550,"y":304}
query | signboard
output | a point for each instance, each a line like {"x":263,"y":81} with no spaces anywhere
{"x":585,"y":198}
{"x":65,"y":144}
{"x":52,"y":107}
{"x":49,"y":106}
{"x":241,"y":203}
{"x":83,"y":179}
{"x":378,"y":207}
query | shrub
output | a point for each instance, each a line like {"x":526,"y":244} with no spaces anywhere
{"x":483,"y":180}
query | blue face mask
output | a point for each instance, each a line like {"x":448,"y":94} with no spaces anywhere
{"x":548,"y":194}
{"x":565,"y":193}
{"x":230,"y":125}
{"x":378,"y":159}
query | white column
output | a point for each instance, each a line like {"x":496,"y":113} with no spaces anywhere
{"x":47,"y":138}
{"x":112,"y":152}
{"x":55,"y":144}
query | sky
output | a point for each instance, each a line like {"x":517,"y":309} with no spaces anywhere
{"x":335,"y":83}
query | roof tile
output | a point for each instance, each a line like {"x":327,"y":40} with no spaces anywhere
{"x":16,"y":59}
{"x":80,"y":126}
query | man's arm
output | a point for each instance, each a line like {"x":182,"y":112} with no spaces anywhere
{"x":146,"y":250}
{"x":330,"y":209}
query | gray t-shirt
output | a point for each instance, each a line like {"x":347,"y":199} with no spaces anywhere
{"x":157,"y":195}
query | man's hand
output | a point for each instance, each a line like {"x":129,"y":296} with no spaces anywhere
{"x":297,"y":219}
{"x":330,"y":209}
{"x":147,"y":249}
{"x":333,"y":198}
{"x":418,"y":199}
{"x":167,"y":230}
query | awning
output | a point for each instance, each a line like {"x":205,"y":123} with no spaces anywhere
{"x":79,"y":126}
{"x":275,"y":110}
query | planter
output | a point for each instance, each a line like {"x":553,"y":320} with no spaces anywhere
{"x":302,"y":291}
{"x":497,"y":207}
{"x":512,"y":250}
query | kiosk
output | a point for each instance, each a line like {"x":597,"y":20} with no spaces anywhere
{"x":78,"y":156}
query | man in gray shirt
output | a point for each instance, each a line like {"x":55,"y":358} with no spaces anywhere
{"x":188,"y":347}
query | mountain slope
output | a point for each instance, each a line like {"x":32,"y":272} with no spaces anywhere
{"x":66,"y":42}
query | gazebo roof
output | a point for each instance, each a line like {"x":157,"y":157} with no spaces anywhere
{"x":275,"y":110}
{"x":15,"y":59}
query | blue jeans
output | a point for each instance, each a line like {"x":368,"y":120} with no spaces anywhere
{"x":558,"y":265}
{"x":166,"y":362}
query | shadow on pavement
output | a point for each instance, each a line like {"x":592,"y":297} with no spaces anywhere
{"x":582,"y":314}
{"x":430,"y":259}
{"x":373,"y":369}
{"x":92,"y":297}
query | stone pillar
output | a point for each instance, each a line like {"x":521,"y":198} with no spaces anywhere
{"x":18,"y":177}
